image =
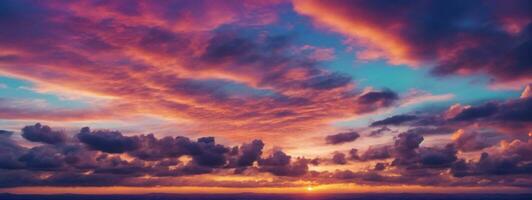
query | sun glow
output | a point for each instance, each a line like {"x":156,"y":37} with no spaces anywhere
{"x":310,"y":188}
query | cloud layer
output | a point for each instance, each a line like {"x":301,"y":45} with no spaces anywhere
{"x":185,"y":61}
{"x":456,"y":37}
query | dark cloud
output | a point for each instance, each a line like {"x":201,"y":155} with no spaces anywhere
{"x":405,"y":147}
{"x":209,"y":153}
{"x":43,"y":158}
{"x":342,"y":137}
{"x":509,"y":117}
{"x":6,"y":133}
{"x":394,"y":120}
{"x":40,"y":133}
{"x":281,"y":164}
{"x":278,"y":158}
{"x":457,"y":37}
{"x":514,"y":110}
{"x":377,"y":153}
{"x":384,"y":98}
{"x":152,"y":148}
{"x":108,"y":141}
{"x":476,"y":112}
{"x":438,"y":157}
{"x":10,"y":152}
{"x":339,"y":158}
{"x":250,"y":152}
{"x":72,"y":178}
{"x":328,"y":81}
{"x":89,"y":161}
{"x":468,"y":140}
{"x":495,"y":123}
{"x":379,"y":132}
{"x":407,"y":153}
{"x":118,"y":166}
{"x":353,"y":154}
{"x":492,"y":165}
{"x":380,"y":166}
{"x":74,"y":163}
{"x":514,"y":158}
{"x":431,"y":130}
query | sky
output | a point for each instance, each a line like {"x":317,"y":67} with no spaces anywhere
{"x":273,"y":96}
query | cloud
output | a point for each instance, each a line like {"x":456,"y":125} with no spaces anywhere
{"x":353,"y":154}
{"x":74,"y":163}
{"x":280,"y":164}
{"x":507,"y":117}
{"x":39,"y":133}
{"x":512,"y":160}
{"x":6,"y":133}
{"x":152,"y":148}
{"x":10,"y":151}
{"x":377,"y":153}
{"x":379,"y":132}
{"x":107,"y":158}
{"x":250,"y":153}
{"x":148,"y":59}
{"x":470,"y":140}
{"x":471,"y":129}
{"x":379,"y":166}
{"x":43,"y":158}
{"x":328,"y":81}
{"x":385,"y":97}
{"x":209,"y":153}
{"x":394,"y":120}
{"x":470,"y":113}
{"x":438,"y":157}
{"x":339,"y":158}
{"x":455,"y":37}
{"x":509,"y":111}
{"x":108,"y":141}
{"x":405,"y":147}
{"x":340,"y":138}
{"x":438,"y":130}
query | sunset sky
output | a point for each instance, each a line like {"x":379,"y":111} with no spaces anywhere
{"x":211,"y":96}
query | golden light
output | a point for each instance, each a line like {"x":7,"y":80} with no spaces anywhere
{"x":309,"y":188}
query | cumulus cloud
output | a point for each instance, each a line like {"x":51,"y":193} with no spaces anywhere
{"x":152,"y":148}
{"x":249,"y":153}
{"x":108,"y":141}
{"x":509,"y":117}
{"x":108,"y":158}
{"x":43,"y":158}
{"x":40,"y":133}
{"x":376,"y":153}
{"x":280,"y":164}
{"x":76,"y":163}
{"x":10,"y":152}
{"x":339,"y":158}
{"x":471,"y":140}
{"x":353,"y":154}
{"x":514,"y":158}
